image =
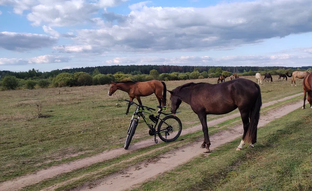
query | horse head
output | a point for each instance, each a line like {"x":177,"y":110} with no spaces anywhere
{"x":112,"y":88}
{"x":175,"y":102}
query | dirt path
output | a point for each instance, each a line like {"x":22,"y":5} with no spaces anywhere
{"x":135,"y":175}
{"x":139,"y":174}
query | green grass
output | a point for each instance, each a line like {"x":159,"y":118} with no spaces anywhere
{"x":281,"y":160}
{"x":78,"y":122}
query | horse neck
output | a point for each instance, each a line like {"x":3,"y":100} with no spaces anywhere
{"x":124,"y":87}
{"x":185,"y":95}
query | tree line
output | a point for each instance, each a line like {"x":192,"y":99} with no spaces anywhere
{"x":106,"y":74}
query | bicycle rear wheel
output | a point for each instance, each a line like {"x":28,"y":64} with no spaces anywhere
{"x":130,"y":133}
{"x":169,"y":128}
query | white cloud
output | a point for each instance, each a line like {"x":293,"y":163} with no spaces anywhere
{"x":74,"y":49}
{"x":217,"y":27}
{"x":50,"y":31}
{"x":110,"y":3}
{"x":44,"y":59}
{"x":24,"y":41}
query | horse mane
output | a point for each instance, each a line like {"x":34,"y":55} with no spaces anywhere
{"x":127,"y":82}
{"x":188,"y":85}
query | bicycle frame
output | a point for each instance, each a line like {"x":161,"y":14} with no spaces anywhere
{"x":139,"y":112}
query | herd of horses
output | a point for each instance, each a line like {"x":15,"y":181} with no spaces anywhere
{"x":220,"y":98}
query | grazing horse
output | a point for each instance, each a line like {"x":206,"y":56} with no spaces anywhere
{"x":137,"y":89}
{"x":307,"y":88}
{"x":234,"y":76}
{"x":299,"y":75}
{"x":282,"y":76}
{"x":205,"y":98}
{"x":268,"y":77}
{"x":259,"y":78}
{"x":221,"y":78}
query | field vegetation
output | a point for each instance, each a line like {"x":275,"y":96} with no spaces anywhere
{"x":40,"y":128}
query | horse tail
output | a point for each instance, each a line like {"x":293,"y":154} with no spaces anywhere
{"x":164,"y":99}
{"x":251,"y":134}
{"x":287,"y":73}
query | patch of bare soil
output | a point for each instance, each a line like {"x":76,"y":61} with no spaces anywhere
{"x":139,"y":173}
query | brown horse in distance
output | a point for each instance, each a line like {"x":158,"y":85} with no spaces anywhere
{"x":307,"y":88}
{"x":297,"y":74}
{"x":234,"y":76}
{"x":137,"y":89}
{"x":221,"y":78}
{"x":205,"y":98}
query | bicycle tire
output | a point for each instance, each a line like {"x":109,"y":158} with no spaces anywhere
{"x":169,"y":128}
{"x":130,"y":133}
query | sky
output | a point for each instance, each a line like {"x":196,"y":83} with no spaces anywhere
{"x":46,"y":35}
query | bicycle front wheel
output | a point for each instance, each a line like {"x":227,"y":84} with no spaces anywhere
{"x":131,"y":132}
{"x":169,"y":128}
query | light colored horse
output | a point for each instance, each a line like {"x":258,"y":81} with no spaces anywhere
{"x":299,"y":75}
{"x":259,"y":78}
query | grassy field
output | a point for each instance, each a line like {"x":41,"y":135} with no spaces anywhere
{"x":282,"y":160}
{"x":44,"y":127}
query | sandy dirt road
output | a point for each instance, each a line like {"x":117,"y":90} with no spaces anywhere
{"x":140,"y":173}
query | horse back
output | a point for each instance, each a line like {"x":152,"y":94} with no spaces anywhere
{"x":225,"y":97}
{"x":307,"y":82}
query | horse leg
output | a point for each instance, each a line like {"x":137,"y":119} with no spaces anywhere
{"x":245,"y":119}
{"x":203,"y":120}
{"x":139,"y":99}
{"x":304,"y":98}
{"x":310,"y":98}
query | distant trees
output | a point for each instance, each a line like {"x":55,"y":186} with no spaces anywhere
{"x":106,"y":74}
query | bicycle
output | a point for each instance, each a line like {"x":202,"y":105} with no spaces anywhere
{"x":169,"y":128}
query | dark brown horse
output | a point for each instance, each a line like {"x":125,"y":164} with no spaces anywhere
{"x":268,"y":76}
{"x":137,"y":89}
{"x":206,"y":98}
{"x":221,"y":78}
{"x":284,"y":76}
{"x":307,"y":88}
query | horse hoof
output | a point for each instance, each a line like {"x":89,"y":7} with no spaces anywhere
{"x":238,"y":149}
{"x":251,"y":146}
{"x":208,"y":151}
{"x":302,"y":108}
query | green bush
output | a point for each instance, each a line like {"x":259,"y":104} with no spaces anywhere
{"x":83,"y":79}
{"x":10,"y":82}
{"x":43,"y":83}
{"x":30,"y":84}
{"x":101,"y":79}
{"x":63,"y":79}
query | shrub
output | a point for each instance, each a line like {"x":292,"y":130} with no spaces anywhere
{"x":10,"y":82}
{"x":63,"y":79}
{"x":83,"y":79}
{"x":43,"y":83}
{"x":102,"y":79}
{"x":30,"y":84}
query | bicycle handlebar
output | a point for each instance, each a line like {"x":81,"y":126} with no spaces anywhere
{"x":143,"y":106}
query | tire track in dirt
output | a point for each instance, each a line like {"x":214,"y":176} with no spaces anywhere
{"x":44,"y":174}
